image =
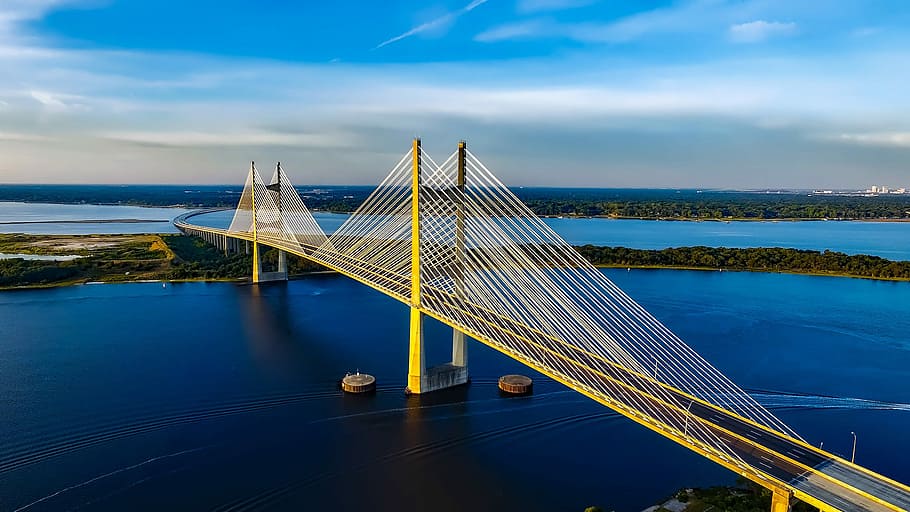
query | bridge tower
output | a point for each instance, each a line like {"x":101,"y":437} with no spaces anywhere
{"x":459,"y":348}
{"x":420,"y":378}
{"x":282,"y":273}
{"x":257,"y":263}
{"x":258,"y":275}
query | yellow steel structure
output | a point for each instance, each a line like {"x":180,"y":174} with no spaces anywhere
{"x":775,"y":485}
{"x":783,"y":492}
{"x":416,"y":357}
{"x":256,"y":263}
{"x":780,"y":501}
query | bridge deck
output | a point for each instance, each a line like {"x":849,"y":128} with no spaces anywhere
{"x":766,"y":456}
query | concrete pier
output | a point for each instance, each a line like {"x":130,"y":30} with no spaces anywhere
{"x":515,"y":384}
{"x":279,"y":275}
{"x":358,"y":383}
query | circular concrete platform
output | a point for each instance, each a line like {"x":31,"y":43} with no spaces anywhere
{"x":515,"y":384}
{"x":358,"y":383}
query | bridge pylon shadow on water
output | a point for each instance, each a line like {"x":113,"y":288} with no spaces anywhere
{"x":453,"y":243}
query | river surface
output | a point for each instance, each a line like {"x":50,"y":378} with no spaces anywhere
{"x":39,"y":257}
{"x":886,"y":239}
{"x":70,"y":219}
{"x":194,"y":396}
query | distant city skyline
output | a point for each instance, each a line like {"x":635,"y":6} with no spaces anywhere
{"x":740,"y":94}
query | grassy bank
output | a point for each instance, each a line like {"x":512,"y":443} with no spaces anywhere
{"x":123,"y":258}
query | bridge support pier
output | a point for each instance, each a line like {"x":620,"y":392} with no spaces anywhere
{"x":417,"y":364}
{"x":781,"y":500}
{"x":264,"y":277}
{"x":459,"y":349}
{"x":424,"y":380}
{"x":257,"y":263}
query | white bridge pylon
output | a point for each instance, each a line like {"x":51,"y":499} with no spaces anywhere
{"x":276,"y":211}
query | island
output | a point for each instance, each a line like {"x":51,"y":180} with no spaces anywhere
{"x":761,"y":259}
{"x":74,"y":259}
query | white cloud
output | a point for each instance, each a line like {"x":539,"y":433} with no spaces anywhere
{"x":14,"y":12}
{"x":19,"y":52}
{"x":531,"y":6}
{"x":217,"y":138}
{"x":518,"y":30}
{"x":877,"y":139}
{"x":57,"y":101}
{"x":682,"y":17}
{"x":557,"y":103}
{"x":760,"y":30}
{"x":442,"y":21}
{"x":176,"y":116}
{"x":21,"y":137}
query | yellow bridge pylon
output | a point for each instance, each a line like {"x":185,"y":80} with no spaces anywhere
{"x":451,"y":242}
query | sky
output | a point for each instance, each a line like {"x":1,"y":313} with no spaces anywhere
{"x":744,"y":94}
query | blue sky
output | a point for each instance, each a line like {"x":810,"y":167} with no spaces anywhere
{"x":687,"y":93}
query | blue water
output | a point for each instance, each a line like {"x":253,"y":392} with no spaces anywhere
{"x":886,"y":239}
{"x":12,"y":213}
{"x":39,"y":257}
{"x":192,"y":396}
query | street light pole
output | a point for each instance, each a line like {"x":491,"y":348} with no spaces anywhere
{"x":853,"y":457}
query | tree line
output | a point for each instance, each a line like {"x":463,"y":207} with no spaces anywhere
{"x":768,"y":259}
{"x":742,"y":206}
{"x":636,"y":203}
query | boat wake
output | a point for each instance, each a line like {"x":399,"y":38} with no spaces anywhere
{"x":783,"y":400}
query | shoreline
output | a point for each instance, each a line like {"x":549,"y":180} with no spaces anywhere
{"x":725,"y":220}
{"x":296,"y":277}
{"x":567,"y":216}
{"x":145,"y":257}
{"x":239,"y":281}
{"x":758,"y":271}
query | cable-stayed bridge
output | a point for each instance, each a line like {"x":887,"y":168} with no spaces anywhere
{"x":451,"y":242}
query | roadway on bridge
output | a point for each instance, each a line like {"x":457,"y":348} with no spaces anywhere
{"x":797,"y":466}
{"x":822,"y":477}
